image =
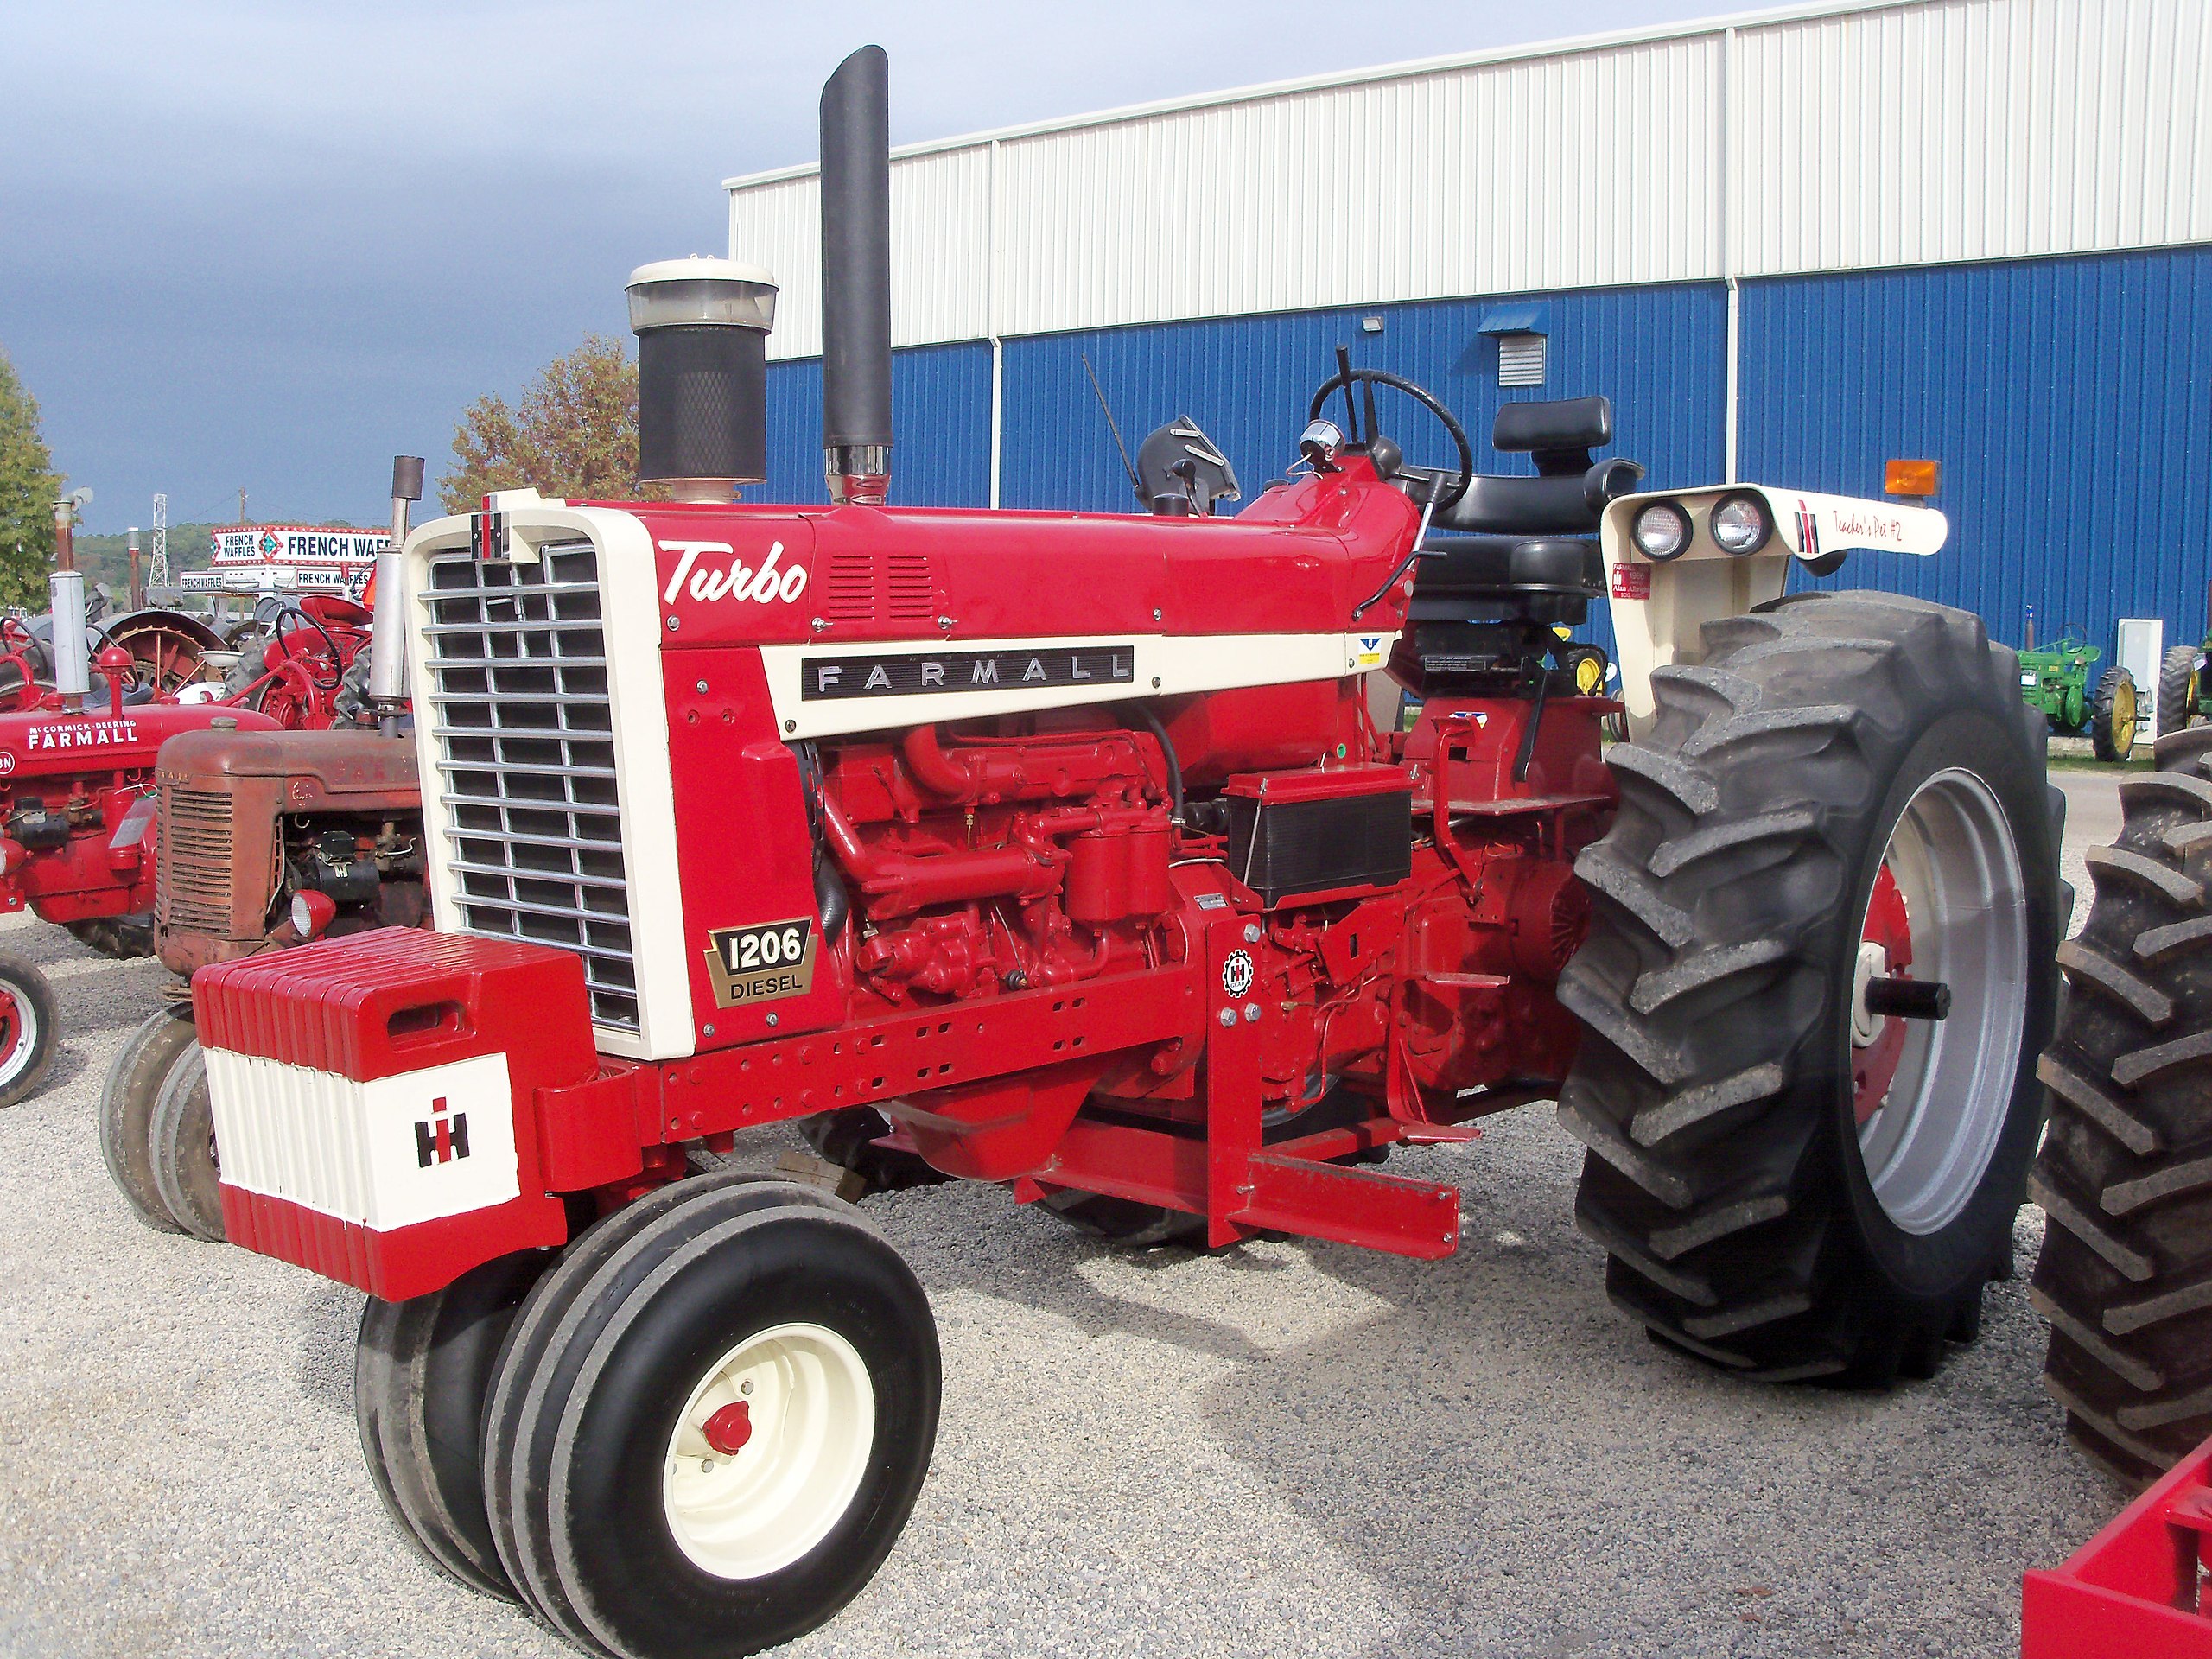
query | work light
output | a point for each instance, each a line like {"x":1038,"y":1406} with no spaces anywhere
{"x":1661,"y":531}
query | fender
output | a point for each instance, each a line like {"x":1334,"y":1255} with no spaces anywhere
{"x":1659,"y":609}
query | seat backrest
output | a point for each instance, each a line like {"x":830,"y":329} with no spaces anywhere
{"x":1569,"y":492}
{"x":1564,"y":425}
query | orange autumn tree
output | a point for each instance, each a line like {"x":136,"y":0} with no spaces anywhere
{"x":573,"y":433}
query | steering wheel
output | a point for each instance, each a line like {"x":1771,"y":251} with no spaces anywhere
{"x":16,"y":636}
{"x":1343,"y":379}
{"x":289,"y":617}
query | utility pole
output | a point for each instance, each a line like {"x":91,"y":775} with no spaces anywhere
{"x":160,"y":572}
{"x":241,"y":507}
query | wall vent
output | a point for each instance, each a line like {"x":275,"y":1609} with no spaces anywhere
{"x":1520,"y":359}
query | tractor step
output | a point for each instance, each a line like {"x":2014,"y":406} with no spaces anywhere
{"x":2138,"y":1587}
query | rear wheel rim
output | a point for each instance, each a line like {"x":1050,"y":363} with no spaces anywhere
{"x":18,"y":1033}
{"x":808,"y":1427}
{"x":1928,"y":1144}
{"x":2123,"y":717}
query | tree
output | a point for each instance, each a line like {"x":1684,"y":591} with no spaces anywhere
{"x":29,"y":485}
{"x":575,"y":433}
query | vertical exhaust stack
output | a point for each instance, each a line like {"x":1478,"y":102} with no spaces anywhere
{"x":702,"y":374}
{"x":856,"y":278}
{"x":388,"y":635}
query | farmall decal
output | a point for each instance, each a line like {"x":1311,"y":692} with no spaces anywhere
{"x":81,"y":734}
{"x":915,"y":674}
{"x":762,"y":964}
{"x":703,"y":564}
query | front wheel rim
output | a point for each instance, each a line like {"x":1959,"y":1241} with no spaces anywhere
{"x":1927,"y":1143}
{"x":18,"y":1033}
{"x":788,"y":1462}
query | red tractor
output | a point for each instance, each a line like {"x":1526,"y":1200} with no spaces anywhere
{"x":1066,"y":844}
{"x":77,"y":842}
{"x":299,"y":665}
{"x":78,"y":820}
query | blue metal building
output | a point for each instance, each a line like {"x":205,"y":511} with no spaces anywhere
{"x":1789,"y":245}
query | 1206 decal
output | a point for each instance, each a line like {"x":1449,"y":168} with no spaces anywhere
{"x":762,"y":963}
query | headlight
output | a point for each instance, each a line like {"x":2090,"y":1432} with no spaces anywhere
{"x":1740,"y":524}
{"x":1661,"y":531}
{"x":312,"y":912}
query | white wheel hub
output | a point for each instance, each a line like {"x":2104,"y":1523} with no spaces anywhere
{"x":769,"y":1451}
{"x":1873,"y":964}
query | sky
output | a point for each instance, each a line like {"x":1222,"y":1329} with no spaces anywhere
{"x":269,"y":246}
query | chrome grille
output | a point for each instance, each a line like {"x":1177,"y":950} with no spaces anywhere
{"x":517,"y":670}
{"x":196,"y":860}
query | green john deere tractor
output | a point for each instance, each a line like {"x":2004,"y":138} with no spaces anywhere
{"x":2054,"y":678}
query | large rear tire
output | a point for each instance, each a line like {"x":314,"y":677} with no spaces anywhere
{"x":121,"y":936}
{"x":710,"y":1424}
{"x":134,"y":1083}
{"x":2125,"y":1178}
{"x":2114,"y":719}
{"x":2176,"y":689}
{"x":1790,"y":1184}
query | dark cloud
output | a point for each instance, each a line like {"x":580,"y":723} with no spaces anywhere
{"x":270,"y":245}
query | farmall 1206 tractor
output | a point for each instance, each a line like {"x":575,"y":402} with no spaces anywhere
{"x":1066,"y":843}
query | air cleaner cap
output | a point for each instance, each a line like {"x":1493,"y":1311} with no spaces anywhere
{"x":702,"y":374}
{"x":702,"y":292}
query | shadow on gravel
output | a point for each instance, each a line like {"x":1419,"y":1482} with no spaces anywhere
{"x":327,"y":1326}
{"x":1516,"y":1470}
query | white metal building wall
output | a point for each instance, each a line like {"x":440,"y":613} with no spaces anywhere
{"x":1815,"y":138}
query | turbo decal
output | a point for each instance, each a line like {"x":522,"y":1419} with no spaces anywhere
{"x":831,"y":677}
{"x":762,"y":586}
{"x":80,"y":734}
{"x":763,"y":963}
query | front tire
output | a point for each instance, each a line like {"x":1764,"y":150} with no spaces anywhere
{"x":711,"y":1423}
{"x":422,"y":1368}
{"x":2176,"y":689}
{"x":180,"y":1147}
{"x":134,"y":1083}
{"x":1788,"y":1185}
{"x":2126,"y":1274}
{"x":26,"y":1030}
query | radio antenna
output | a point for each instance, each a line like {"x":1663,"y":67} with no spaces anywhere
{"x":1107,"y":410}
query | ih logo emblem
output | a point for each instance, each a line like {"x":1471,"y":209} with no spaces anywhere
{"x":441,"y":1139}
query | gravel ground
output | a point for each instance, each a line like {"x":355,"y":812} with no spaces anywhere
{"x":1292,"y":1448}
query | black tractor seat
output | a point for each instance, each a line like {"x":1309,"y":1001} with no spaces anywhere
{"x":1456,"y":569}
{"x":1514,"y":558}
